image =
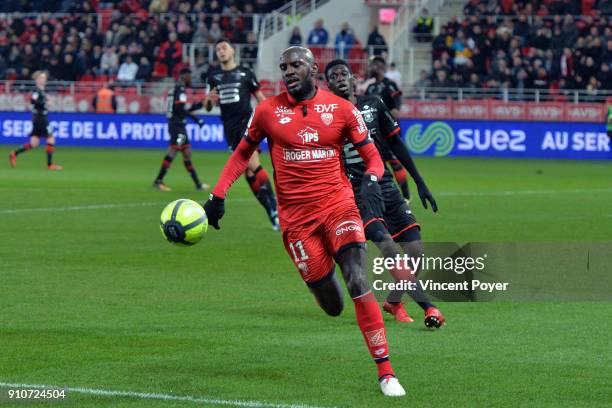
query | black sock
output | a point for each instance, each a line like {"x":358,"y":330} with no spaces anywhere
{"x":419,"y":297}
{"x":263,"y":191}
{"x":192,"y":172}
{"x":164,"y":168}
{"x":50,"y":149}
{"x":23,"y":148}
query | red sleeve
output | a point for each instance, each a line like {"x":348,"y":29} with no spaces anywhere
{"x":235,"y":166}
{"x":371,"y":157}
{"x":360,"y":137}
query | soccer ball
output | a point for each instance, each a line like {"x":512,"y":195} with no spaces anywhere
{"x":183,"y":222}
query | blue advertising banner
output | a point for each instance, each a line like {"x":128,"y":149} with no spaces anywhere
{"x":545,"y":140}
{"x":110,"y":130}
{"x":555,"y":140}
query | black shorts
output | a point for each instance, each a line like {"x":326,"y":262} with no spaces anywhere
{"x":398,"y":216}
{"x":234,"y":130}
{"x":178,"y":134}
{"x":40,"y":127}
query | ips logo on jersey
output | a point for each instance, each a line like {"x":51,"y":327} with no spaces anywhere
{"x":308,"y":135}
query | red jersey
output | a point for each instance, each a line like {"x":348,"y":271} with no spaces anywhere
{"x":306,"y":140}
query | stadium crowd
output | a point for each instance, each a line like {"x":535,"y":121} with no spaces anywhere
{"x":550,"y":45}
{"x":125,"y":40}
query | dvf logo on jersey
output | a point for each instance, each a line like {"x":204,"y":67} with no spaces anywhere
{"x":327,"y":118}
{"x":308,"y":135}
{"x":320,"y":108}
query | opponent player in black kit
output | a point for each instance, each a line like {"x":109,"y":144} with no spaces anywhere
{"x":399,"y":225}
{"x":231,"y":87}
{"x":40,"y":124}
{"x":177,"y":114}
{"x":391,"y":95}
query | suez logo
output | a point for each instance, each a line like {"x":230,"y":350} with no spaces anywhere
{"x":496,"y":139}
{"x":347,"y":226}
{"x":442,"y":137}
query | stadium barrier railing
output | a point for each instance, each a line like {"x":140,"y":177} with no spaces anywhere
{"x":458,"y":103}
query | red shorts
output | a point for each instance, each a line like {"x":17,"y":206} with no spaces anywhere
{"x":314,"y":245}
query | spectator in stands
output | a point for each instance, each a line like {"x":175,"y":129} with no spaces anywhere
{"x":248,"y":53}
{"x":424,"y":27}
{"x":395,"y":75}
{"x":109,"y":62}
{"x":200,"y":70}
{"x":604,"y":76}
{"x":215,"y":33}
{"x":296,"y":37}
{"x":158,"y":6}
{"x":318,"y":36}
{"x":200,"y":36}
{"x":422,"y":83}
{"x":68,"y":69}
{"x":377,"y":46}
{"x":441,"y":80}
{"x":344,"y":41}
{"x":171,"y":52}
{"x":144,"y":70}
{"x":127,"y":70}
{"x":3,"y":67}
{"x":94,"y":58}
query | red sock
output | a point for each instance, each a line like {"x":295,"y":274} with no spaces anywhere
{"x":400,"y":173}
{"x":259,"y":179}
{"x":370,"y":321}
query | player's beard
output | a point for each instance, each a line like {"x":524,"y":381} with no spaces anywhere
{"x":303,"y":90}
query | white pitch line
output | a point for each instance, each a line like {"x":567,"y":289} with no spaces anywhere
{"x":78,"y":207}
{"x":521,"y":192}
{"x":245,"y":199}
{"x":158,"y":396}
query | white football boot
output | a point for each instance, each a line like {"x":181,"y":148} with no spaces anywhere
{"x":391,"y":387}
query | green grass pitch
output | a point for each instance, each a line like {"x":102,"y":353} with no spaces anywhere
{"x":91,"y":295}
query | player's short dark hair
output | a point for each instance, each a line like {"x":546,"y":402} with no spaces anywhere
{"x":334,"y":63}
{"x":378,"y":59}
{"x":224,"y":40}
{"x":184,"y":71}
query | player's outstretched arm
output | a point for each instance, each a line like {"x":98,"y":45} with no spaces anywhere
{"x":403,"y":155}
{"x":234,"y":168}
{"x":196,"y":106}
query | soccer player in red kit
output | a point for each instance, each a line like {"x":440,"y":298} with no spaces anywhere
{"x":306,"y":129}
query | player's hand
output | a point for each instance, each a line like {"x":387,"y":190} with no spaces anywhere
{"x":200,"y":122}
{"x":371,"y":196}
{"x":426,"y":196}
{"x":214,"y":96}
{"x":215,"y":208}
